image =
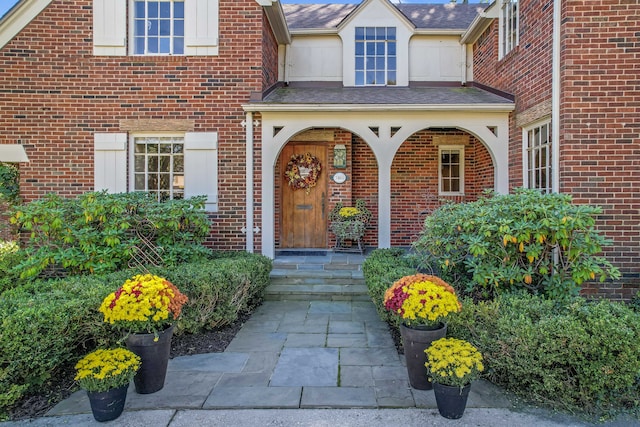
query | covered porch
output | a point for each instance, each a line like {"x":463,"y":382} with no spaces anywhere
{"x":382,"y":123}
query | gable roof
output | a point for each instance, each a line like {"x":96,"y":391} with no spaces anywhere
{"x":450,"y":16}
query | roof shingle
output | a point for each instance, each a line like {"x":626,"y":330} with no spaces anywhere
{"x":423,"y":16}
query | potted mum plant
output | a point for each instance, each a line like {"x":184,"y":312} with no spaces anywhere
{"x":452,"y":365}
{"x":145,"y":307}
{"x":420,"y":303}
{"x":106,"y":375}
{"x":349,"y":223}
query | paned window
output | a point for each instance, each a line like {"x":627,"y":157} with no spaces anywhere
{"x":537,"y":150}
{"x":508,"y":26}
{"x":451,"y":170}
{"x":159,"y":166}
{"x":158,"y":27}
{"x":375,"y":56}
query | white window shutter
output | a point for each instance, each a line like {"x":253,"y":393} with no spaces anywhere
{"x":201,"y":27}
{"x":109,"y":27}
{"x":201,"y":167}
{"x":110,"y":162}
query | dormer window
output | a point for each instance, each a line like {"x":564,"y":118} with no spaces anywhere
{"x":158,"y":27}
{"x":375,"y":56}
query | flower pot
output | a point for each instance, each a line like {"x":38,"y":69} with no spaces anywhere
{"x":108,"y":405}
{"x":415,"y":341}
{"x":155,"y":358}
{"x":451,"y":400}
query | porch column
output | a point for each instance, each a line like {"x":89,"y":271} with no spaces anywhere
{"x":384,"y":201}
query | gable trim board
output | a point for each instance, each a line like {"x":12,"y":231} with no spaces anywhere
{"x":18,"y":18}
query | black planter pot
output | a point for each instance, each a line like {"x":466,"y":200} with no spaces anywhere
{"x":108,"y":405}
{"x":451,"y":400}
{"x":155,"y":358}
{"x":415,"y":341}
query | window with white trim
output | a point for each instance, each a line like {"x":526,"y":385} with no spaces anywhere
{"x":158,"y":166}
{"x":155,"y":27}
{"x":158,"y":27}
{"x":508,"y":26}
{"x":537,"y":157}
{"x":451,"y":170}
{"x":375,"y":56}
{"x":170,"y":166}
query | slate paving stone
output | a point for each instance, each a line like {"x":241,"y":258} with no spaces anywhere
{"x":256,"y":341}
{"x":311,"y":326}
{"x":248,"y":379}
{"x":306,"y":367}
{"x":330,"y":307}
{"x":345,"y":327}
{"x":390,"y":373}
{"x":393,"y":394}
{"x":356,"y":376}
{"x":338,"y":397}
{"x":346,"y":340}
{"x":261,"y":361}
{"x":254,"y":397}
{"x":379,"y":338}
{"x":305,"y":340}
{"x":210,"y":362}
{"x":369,"y":356}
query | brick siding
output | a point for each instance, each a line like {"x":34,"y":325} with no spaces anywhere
{"x":599,"y":110}
{"x":56,"y":95}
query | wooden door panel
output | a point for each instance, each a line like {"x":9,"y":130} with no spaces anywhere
{"x":304,"y":215}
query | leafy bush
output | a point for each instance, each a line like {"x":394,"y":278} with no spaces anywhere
{"x":579,"y":356}
{"x":98,"y":232}
{"x":49,"y":324}
{"x":9,"y":183}
{"x":9,"y":257}
{"x":539,"y":242}
{"x":381,"y":268}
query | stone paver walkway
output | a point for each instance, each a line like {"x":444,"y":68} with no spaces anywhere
{"x":295,"y":354}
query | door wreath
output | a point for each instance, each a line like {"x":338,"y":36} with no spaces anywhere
{"x":303,"y":171}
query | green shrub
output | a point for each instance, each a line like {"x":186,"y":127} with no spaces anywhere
{"x":100,"y":233}
{"x":9,"y":183}
{"x":510,"y":241}
{"x":47,"y":324}
{"x":9,"y":257}
{"x":580,"y":357}
{"x":381,"y":268}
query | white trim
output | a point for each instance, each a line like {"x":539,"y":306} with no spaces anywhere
{"x":18,"y":18}
{"x":460,"y":149}
{"x":249,"y":180}
{"x":492,"y":108}
{"x":555,"y":97}
{"x":13,"y":153}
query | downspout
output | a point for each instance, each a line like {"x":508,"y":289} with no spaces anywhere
{"x":555,"y":98}
{"x":249,"y":180}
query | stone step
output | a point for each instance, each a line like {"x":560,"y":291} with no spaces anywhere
{"x":317,"y":281}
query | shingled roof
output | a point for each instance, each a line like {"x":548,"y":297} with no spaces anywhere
{"x":450,"y":16}
{"x":423,"y":96}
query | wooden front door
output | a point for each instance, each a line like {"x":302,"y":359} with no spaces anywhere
{"x":304,"y":214}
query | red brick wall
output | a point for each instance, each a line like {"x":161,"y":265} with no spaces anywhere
{"x":414,"y":181}
{"x":365,"y":185}
{"x":56,"y":95}
{"x":269,"y":55}
{"x":599,"y":110}
{"x":600,"y":142}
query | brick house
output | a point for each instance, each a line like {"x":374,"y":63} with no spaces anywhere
{"x":402,"y":105}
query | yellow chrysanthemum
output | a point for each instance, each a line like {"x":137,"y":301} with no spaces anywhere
{"x":453,"y":362}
